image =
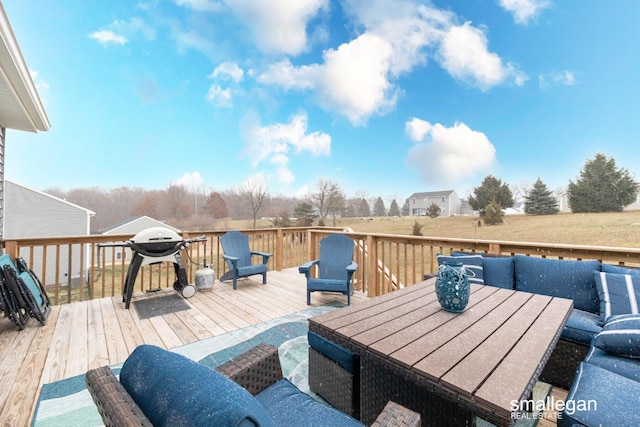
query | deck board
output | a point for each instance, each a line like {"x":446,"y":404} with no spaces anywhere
{"x":89,"y":334}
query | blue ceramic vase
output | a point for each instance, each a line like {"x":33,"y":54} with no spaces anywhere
{"x":452,"y":287}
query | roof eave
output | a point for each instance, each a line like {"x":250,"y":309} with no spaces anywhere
{"x":15,"y":75}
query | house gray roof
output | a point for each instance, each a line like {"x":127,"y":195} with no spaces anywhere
{"x":427,"y":194}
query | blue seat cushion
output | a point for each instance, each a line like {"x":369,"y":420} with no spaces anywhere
{"x":499,"y":271}
{"x":610,"y":268}
{"x":559,"y":278}
{"x":288,"y":406}
{"x":599,"y":397}
{"x":620,"y":336}
{"x":619,"y":294}
{"x":624,"y":366}
{"x":473,"y":265}
{"x":582,"y":327}
{"x":252,"y":269}
{"x":329,"y":285}
{"x":342,"y":356}
{"x":173,"y":390}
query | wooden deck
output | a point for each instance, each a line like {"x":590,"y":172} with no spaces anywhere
{"x":86,"y":335}
{"x":82,"y":336}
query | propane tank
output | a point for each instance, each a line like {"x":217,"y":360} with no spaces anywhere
{"x":205,"y":277}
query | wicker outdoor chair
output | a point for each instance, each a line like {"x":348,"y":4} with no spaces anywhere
{"x":255,"y":370}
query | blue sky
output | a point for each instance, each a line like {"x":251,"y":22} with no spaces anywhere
{"x":390,"y":97}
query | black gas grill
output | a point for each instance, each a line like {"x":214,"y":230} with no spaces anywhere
{"x":154,"y":245}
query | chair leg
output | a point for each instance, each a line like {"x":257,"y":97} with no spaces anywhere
{"x":308,"y":297}
{"x":264,"y":278}
{"x":235,"y":281}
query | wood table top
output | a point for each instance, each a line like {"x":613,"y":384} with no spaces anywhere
{"x":491,"y":354}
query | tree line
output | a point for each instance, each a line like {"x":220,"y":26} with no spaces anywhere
{"x":600,"y":187}
{"x":186,"y":209}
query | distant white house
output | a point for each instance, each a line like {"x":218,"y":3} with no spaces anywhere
{"x":448,"y":202}
{"x":129,"y":226}
{"x":31,"y":213}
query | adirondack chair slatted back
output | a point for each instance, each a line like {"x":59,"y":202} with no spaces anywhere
{"x":236,"y":244}
{"x":336,"y":253}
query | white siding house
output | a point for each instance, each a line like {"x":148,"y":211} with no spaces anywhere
{"x":32,"y":213}
{"x":448,"y":201}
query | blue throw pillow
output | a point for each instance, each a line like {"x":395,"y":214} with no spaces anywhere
{"x":620,"y":336}
{"x":173,"y":390}
{"x":610,"y":268}
{"x":619,"y":294}
{"x":499,"y":271}
{"x":471,"y":263}
{"x":559,"y":278}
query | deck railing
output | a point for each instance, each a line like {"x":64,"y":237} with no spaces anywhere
{"x":80,"y":268}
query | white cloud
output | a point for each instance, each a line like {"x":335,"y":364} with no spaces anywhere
{"x":106,"y":37}
{"x":219,"y":97}
{"x":228,"y":70}
{"x":524,"y":10}
{"x":564,"y":78}
{"x":358,"y":78}
{"x":278,"y":27}
{"x":448,"y":155}
{"x":189,"y":181}
{"x":119,"y":32}
{"x":274,"y":143}
{"x":464,"y":54}
{"x":200,"y":5}
{"x":417,"y":129}
{"x":40,"y":83}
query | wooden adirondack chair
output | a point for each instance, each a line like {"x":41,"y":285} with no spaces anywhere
{"x":335,"y":267}
{"x":239,"y":258}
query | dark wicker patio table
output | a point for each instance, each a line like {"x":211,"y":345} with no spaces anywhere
{"x":448,"y":367}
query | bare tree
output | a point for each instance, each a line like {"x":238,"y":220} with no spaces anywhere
{"x":329,"y":199}
{"x":216,"y":206}
{"x":254,"y":191}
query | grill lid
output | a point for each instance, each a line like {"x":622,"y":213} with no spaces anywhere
{"x":156,"y":235}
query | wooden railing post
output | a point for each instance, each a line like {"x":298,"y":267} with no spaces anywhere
{"x":494,"y":249}
{"x":373,"y":288}
{"x":279,"y":249}
{"x":11,"y":248}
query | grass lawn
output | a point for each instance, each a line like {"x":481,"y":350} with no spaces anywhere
{"x":601,"y":229}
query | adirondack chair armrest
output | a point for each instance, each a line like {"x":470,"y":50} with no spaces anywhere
{"x":306,"y":267}
{"x":265,"y":256}
{"x":352,"y":267}
{"x":233,"y":259}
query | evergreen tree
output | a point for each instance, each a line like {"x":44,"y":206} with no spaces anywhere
{"x":433,"y":211}
{"x":365,"y":210}
{"x":393,"y":209}
{"x":493,"y":213}
{"x":304,"y":214}
{"x":491,"y":190}
{"x":540,"y":200}
{"x":602,"y":187}
{"x":378,"y":208}
{"x":405,"y":208}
